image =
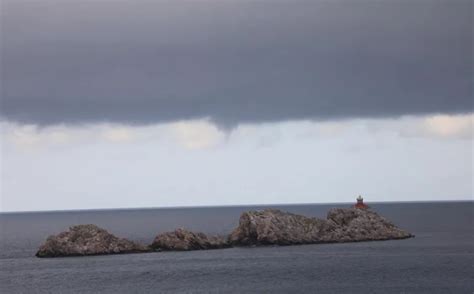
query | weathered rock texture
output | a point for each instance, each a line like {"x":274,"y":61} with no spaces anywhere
{"x":267,"y":227}
{"x":87,"y":240}
{"x":183,"y":240}
{"x":274,"y":227}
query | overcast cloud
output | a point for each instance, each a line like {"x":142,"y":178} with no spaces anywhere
{"x":233,"y":61}
{"x":141,"y":103}
{"x":193,"y":163}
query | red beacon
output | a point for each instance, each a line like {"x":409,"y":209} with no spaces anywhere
{"x":360,"y":203}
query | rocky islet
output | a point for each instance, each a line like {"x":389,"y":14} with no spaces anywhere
{"x":256,"y":228}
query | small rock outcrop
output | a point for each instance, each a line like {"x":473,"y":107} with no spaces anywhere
{"x":87,"y":240}
{"x":363,"y":225}
{"x":275,"y":227}
{"x":184,"y":240}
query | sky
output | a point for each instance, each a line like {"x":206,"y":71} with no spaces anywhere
{"x":120,"y":104}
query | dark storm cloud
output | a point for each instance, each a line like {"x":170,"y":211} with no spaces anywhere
{"x":235,"y":61}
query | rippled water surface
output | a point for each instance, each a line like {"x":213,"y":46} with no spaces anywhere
{"x":438,"y":260}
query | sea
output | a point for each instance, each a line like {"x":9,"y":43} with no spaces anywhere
{"x":440,"y":259}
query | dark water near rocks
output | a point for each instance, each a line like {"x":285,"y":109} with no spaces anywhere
{"x":439,"y":260}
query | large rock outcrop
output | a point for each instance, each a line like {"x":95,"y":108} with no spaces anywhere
{"x":275,"y":227}
{"x":183,"y":240}
{"x":267,"y":227}
{"x":87,"y":240}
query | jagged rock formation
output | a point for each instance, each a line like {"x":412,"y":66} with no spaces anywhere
{"x":183,"y":240}
{"x":267,"y":227}
{"x":87,"y":240}
{"x":274,"y":227}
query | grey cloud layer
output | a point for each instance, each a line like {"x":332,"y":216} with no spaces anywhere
{"x":234,"y":61}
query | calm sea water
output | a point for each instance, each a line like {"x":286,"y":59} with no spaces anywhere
{"x":439,"y":260}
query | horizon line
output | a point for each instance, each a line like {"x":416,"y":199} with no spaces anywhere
{"x":222,"y":206}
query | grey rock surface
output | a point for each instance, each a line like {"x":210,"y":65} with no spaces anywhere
{"x":183,"y":240}
{"x":266,"y":227}
{"x":275,"y":227}
{"x":87,"y":240}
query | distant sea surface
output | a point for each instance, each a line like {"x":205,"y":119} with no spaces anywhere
{"x":438,"y":260}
